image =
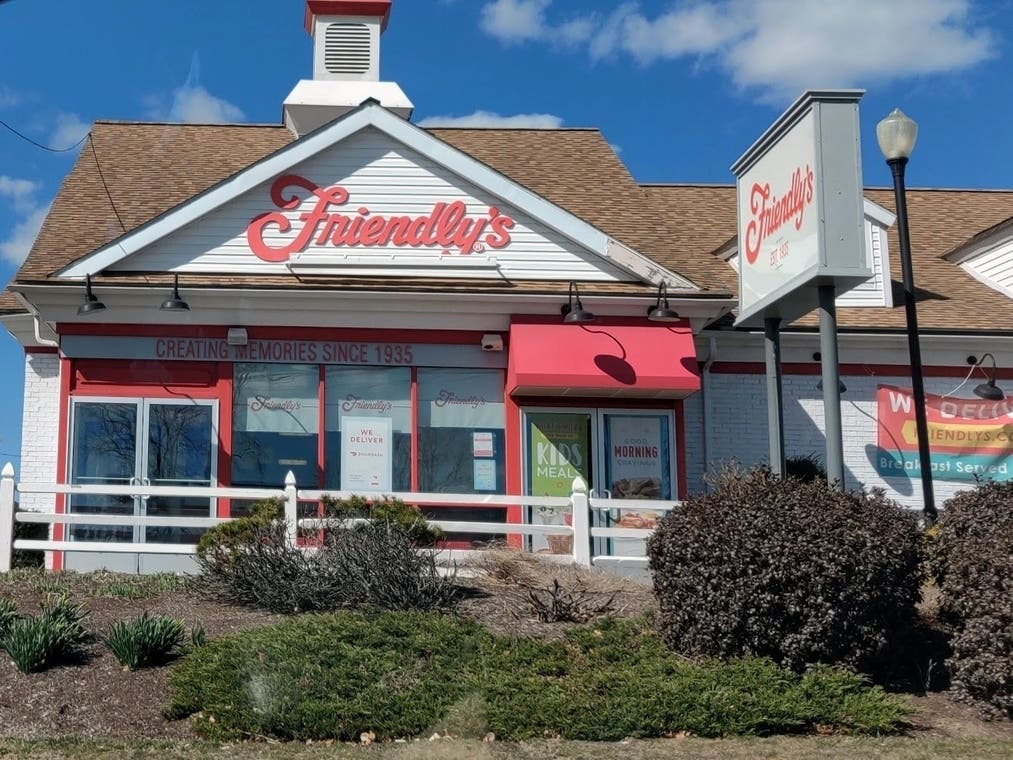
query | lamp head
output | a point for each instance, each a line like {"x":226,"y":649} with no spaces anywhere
{"x":175,"y":301}
{"x":897,"y":134}
{"x":91,"y":304}
{"x":661,"y":312}
{"x":573,"y":310}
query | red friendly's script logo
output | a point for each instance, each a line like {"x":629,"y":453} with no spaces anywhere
{"x":447,"y":226}
{"x":769,"y":212}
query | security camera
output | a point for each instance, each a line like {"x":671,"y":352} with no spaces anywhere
{"x":492,"y":342}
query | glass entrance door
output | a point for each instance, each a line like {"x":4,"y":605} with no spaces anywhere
{"x":621,"y":454}
{"x":134,"y":442}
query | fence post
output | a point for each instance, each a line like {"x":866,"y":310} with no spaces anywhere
{"x":6,"y":517}
{"x":291,"y":508}
{"x":581,"y":523}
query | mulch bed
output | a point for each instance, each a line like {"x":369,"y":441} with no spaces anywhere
{"x":96,"y":697}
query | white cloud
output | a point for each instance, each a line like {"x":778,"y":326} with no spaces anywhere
{"x":68,"y":131}
{"x":774,"y":47}
{"x":486,"y":119}
{"x":21,"y":193}
{"x":516,"y":21}
{"x":193,"y":104}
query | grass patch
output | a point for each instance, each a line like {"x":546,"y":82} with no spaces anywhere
{"x":145,"y":641}
{"x":100,"y":583}
{"x":339,"y":675}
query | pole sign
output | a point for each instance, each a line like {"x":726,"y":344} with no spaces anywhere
{"x":800,"y":208}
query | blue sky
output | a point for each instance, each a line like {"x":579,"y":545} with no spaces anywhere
{"x":681,"y":89}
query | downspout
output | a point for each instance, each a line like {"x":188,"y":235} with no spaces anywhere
{"x":35,"y":322}
{"x":38,"y":338}
{"x":705,"y":388}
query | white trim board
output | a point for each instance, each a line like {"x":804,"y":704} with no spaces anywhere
{"x":372,"y":114}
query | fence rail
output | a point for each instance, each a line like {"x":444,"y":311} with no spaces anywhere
{"x":584,"y":517}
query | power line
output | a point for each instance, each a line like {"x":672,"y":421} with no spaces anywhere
{"x":91,"y":142}
{"x":28,"y":139}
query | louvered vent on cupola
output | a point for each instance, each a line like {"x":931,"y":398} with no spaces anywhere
{"x":346,"y":38}
{"x":348,"y":49}
{"x":346,"y":65}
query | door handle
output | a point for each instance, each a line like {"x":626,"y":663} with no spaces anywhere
{"x":145,"y":482}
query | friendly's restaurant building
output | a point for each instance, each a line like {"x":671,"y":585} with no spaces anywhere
{"x":378,"y":307}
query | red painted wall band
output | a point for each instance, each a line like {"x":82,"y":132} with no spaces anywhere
{"x":851,"y":370}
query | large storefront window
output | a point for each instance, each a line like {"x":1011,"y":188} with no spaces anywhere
{"x":369,"y":428}
{"x":275,"y":423}
{"x":461,"y":421}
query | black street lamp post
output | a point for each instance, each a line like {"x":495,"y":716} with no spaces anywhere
{"x":896,"y":135}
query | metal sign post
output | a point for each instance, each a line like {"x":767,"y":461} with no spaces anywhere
{"x":775,"y":414}
{"x":833,"y":430}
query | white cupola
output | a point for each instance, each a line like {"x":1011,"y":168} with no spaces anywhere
{"x":346,"y":64}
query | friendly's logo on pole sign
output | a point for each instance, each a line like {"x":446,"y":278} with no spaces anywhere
{"x":800,"y":208}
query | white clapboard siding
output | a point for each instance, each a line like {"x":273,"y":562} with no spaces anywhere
{"x":876,"y":290}
{"x":389,"y":179}
{"x":994,"y":268}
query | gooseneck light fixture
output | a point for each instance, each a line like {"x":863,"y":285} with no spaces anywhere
{"x":896,"y":135}
{"x":988,"y":390}
{"x":661,"y":312}
{"x":175,"y":301}
{"x":573,"y":311}
{"x":91,"y":303}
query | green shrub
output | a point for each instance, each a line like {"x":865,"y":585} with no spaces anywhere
{"x":973,"y":561}
{"x":376,"y":564}
{"x":335,"y":676}
{"x":386,"y":510}
{"x":328,"y":676}
{"x":779,"y":568}
{"x":55,"y":636}
{"x":146,"y":640}
{"x":225,"y":539}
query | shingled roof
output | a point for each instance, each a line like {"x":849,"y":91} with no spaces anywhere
{"x":949,"y":299}
{"x":148,"y":169}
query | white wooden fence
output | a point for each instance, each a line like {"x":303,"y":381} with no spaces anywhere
{"x":582,"y":507}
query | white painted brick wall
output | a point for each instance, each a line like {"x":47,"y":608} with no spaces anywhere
{"x":40,"y":427}
{"x":738,"y":409}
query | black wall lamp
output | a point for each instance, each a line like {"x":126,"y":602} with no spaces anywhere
{"x":661,"y":312}
{"x":987,"y":390}
{"x":573,"y":311}
{"x":175,"y":301}
{"x":91,"y":303}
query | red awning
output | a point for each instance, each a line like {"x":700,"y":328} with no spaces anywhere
{"x":641,"y":360}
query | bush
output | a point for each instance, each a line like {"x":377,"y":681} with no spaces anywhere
{"x":225,"y":539}
{"x":337,"y":676}
{"x":38,"y":643}
{"x":328,"y":676}
{"x":376,"y":564}
{"x":973,"y":561}
{"x":385,"y":510}
{"x":797,"y":572}
{"x":146,"y":640}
